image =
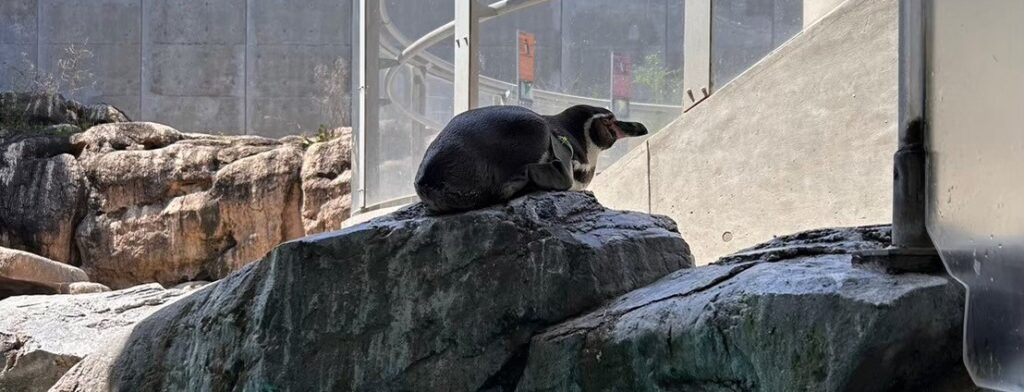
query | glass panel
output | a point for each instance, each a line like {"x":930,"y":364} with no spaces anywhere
{"x":976,"y":152}
{"x":574,"y":41}
{"x":744,"y":31}
{"x":416,"y":96}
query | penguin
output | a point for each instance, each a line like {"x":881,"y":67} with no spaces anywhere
{"x":492,"y":154}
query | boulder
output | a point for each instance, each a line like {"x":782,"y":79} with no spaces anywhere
{"x":170,"y":207}
{"x":404,"y":302}
{"x":24,"y":273}
{"x":791,"y":315}
{"x":22,"y":111}
{"x":43,"y":193}
{"x":126,"y":136}
{"x":102,"y":113}
{"x":86,"y":288}
{"x":326,"y":176}
{"x":41,"y":337}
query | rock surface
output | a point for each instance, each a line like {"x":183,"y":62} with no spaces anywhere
{"x":23,"y":273}
{"x":173,"y":207}
{"x":791,"y":315}
{"x":326,"y":190}
{"x":404,"y":302}
{"x":141,"y":202}
{"x":43,"y":193}
{"x":41,"y":337}
{"x":22,"y":113}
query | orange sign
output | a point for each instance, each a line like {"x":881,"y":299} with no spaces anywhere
{"x":527,"y":55}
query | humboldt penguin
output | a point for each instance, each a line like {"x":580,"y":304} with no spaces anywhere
{"x":490,"y":155}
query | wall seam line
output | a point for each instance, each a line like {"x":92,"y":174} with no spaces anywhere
{"x":142,"y":54}
{"x":650,"y":207}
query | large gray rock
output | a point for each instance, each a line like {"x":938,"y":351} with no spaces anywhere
{"x":43,"y":192}
{"x":34,"y":113}
{"x":21,"y":111}
{"x":404,"y":302}
{"x":793,"y":315}
{"x":41,"y":337}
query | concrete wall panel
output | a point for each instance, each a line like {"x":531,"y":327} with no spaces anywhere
{"x":196,"y":70}
{"x":302,"y":22}
{"x":816,"y":9}
{"x":624,"y":186}
{"x":94,"y":21}
{"x":111,"y":69}
{"x":802,"y":140}
{"x":12,"y":64}
{"x":18,"y":21}
{"x":207,"y":114}
{"x":196,"y":21}
{"x":288,"y":70}
{"x":279,"y":117}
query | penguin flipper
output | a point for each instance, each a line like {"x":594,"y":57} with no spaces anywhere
{"x":552,"y":176}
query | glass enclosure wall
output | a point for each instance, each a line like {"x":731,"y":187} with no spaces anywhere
{"x":416,"y":95}
{"x":565,"y":49}
{"x":548,"y":55}
{"x":744,"y":31}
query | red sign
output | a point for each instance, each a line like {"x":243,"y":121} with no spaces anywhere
{"x":622,"y":75}
{"x":527,"y":55}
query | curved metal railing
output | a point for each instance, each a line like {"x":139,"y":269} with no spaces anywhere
{"x":414,"y":53}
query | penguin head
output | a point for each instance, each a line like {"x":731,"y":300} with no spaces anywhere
{"x":600,"y":126}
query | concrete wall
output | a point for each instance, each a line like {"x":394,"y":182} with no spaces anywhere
{"x":804,"y":139}
{"x":814,"y":10}
{"x":237,"y":66}
{"x":231,"y":66}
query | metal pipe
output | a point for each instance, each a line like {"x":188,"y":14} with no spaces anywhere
{"x":909,"y":202}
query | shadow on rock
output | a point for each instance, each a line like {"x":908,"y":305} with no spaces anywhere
{"x":404,"y":302}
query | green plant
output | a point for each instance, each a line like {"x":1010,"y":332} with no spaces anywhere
{"x":27,"y":81}
{"x":323,"y":134}
{"x":69,"y":78}
{"x":663,"y":84}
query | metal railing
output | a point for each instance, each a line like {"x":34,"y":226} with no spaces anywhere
{"x":386,"y":38}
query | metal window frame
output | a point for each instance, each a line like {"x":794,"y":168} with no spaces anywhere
{"x":696,"y":52}
{"x":366,"y":118}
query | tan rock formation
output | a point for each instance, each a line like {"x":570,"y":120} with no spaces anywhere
{"x":174,"y":207}
{"x":326,"y":176}
{"x":137,"y":202}
{"x":25,"y":273}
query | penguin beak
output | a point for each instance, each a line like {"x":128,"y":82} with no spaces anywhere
{"x":625,"y":129}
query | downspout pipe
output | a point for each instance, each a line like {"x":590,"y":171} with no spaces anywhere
{"x":912,"y":249}
{"x":909,"y":178}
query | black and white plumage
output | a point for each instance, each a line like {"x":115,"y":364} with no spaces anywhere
{"x":492,"y":154}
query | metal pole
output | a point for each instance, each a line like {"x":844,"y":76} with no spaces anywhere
{"x":467,"y":62}
{"x":912,"y":249}
{"x":367,"y":116}
{"x":909,"y":204}
{"x":697,"y":55}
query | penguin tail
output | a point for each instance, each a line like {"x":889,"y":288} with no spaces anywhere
{"x":445,"y":200}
